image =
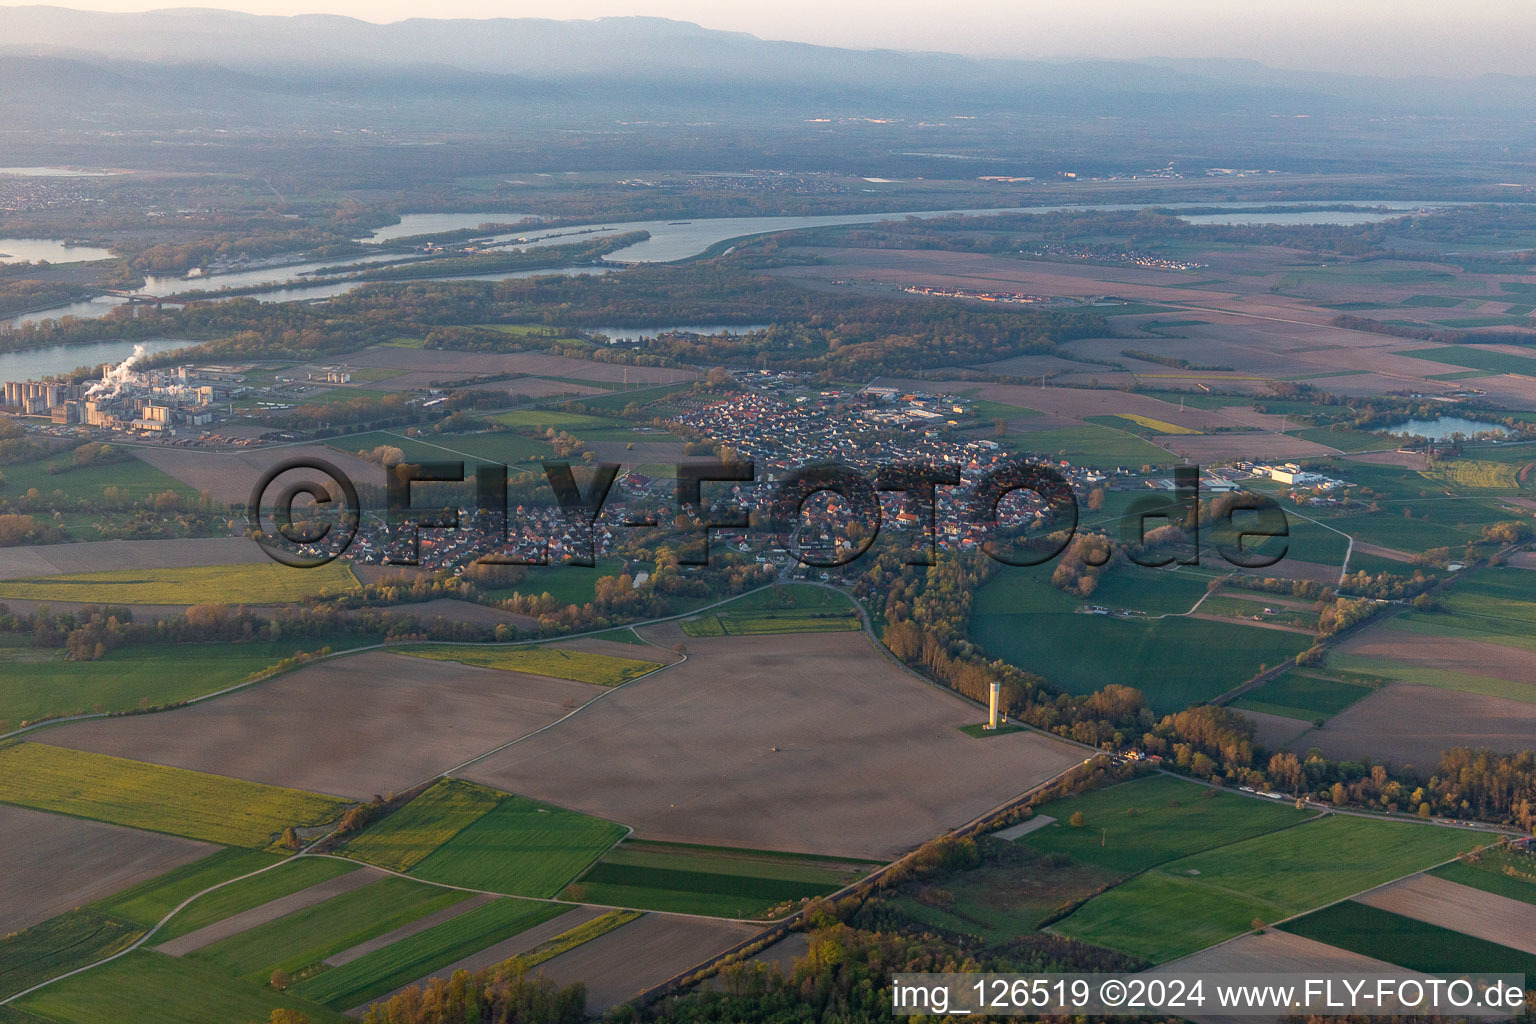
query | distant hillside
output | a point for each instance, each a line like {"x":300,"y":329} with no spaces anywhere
{"x":680,"y":62}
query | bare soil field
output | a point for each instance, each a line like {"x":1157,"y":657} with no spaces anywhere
{"x":1369,"y":385}
{"x":244,"y":921}
{"x":1523,"y":560}
{"x":812,"y":743}
{"x":110,"y":555}
{"x":1445,"y":653}
{"x":1408,"y":460}
{"x":1205,"y":448}
{"x":643,"y":452}
{"x":1409,"y":724}
{"x":1076,"y":403}
{"x":1460,"y":908}
{"x":641,"y":954}
{"x":141,"y":612}
{"x":1048,"y":366}
{"x":53,"y":863}
{"x":986,"y":272}
{"x":229,"y":476}
{"x":1271,"y":951}
{"x":449,"y":365}
{"x":1275,"y":732}
{"x":1391,"y":554}
{"x":454,"y":610}
{"x":353,"y":727}
{"x":1509,"y":390}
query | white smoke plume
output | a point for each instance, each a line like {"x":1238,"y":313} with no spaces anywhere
{"x":112,"y":380}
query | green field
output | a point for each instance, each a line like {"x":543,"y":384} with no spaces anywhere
{"x":1154,"y":425}
{"x":1497,"y":599}
{"x":987,"y":410}
{"x":1306,"y":695}
{"x":785,"y":608}
{"x":1500,"y":872}
{"x":1409,"y":943}
{"x":1445,"y":679}
{"x":521,"y":848}
{"x":1219,"y":893}
{"x":567,"y":584}
{"x":511,"y":449}
{"x":145,"y":986}
{"x":1467,"y":476}
{"x":148,"y":902}
{"x":135,"y":478}
{"x":1092,"y":445}
{"x":256,"y":583}
{"x":1396,"y":531}
{"x":1021,"y":617}
{"x":402,"y":839}
{"x":709,"y":880}
{"x":1476,"y":358}
{"x":558,"y":419}
{"x":401,"y":963}
{"x":63,"y":943}
{"x":231,"y":812}
{"x":1346,"y":440}
{"x":301,"y":940}
{"x":1137,"y":825}
{"x":558,"y":662}
{"x":569,"y":940}
{"x":1506,"y":632}
{"x":39,"y":683}
{"x":249,"y":893}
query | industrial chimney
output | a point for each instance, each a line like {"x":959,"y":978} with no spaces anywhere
{"x":992,"y":720}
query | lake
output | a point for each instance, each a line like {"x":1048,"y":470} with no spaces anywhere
{"x":1442,"y":427}
{"x":40,"y":362}
{"x":35,"y":250}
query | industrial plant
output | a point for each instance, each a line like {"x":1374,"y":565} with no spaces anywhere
{"x":147,"y":401}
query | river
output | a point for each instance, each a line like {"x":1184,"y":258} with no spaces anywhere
{"x":669,"y":241}
{"x":33,"y":364}
{"x":436,"y":223}
{"x":683,"y":239}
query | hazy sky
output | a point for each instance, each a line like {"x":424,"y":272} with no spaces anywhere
{"x":1377,"y":36}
